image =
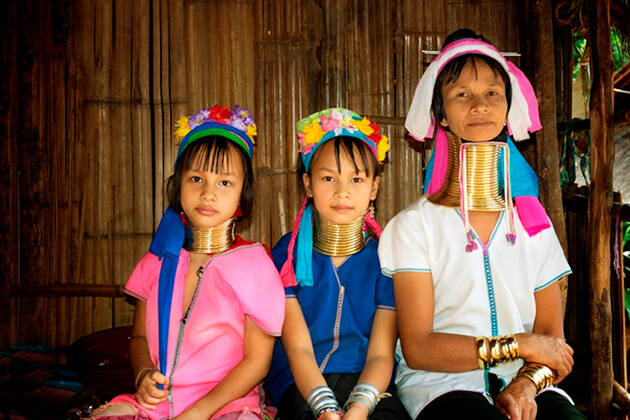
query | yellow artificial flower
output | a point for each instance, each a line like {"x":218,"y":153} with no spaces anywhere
{"x":382,"y":148}
{"x":313,"y":133}
{"x":364,"y":126}
{"x":183,"y":129}
{"x":251,"y":132}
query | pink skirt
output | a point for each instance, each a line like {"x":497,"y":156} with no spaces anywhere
{"x":269,"y":413}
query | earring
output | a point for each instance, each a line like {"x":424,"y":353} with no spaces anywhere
{"x":371,"y":209}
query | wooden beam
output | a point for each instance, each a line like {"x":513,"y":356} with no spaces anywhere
{"x":67,"y":290}
{"x":544,"y":82}
{"x":600,"y":205}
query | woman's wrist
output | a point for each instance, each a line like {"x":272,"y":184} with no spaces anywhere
{"x":523,"y":345}
{"x":491,"y":351}
{"x":540,"y":375}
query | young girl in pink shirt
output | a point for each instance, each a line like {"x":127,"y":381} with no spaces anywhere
{"x":209,"y":303}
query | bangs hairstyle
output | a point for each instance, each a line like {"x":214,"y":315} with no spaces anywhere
{"x":212,"y":152}
{"x":347,"y":145}
{"x":451,"y":72}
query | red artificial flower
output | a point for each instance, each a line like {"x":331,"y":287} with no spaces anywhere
{"x":220,"y":114}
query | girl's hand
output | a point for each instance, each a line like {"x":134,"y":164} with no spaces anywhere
{"x":357,"y":411}
{"x":330,"y":416}
{"x":517,"y":401}
{"x":551,"y":351}
{"x":147,"y":394}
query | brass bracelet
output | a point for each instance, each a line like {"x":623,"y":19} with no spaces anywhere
{"x":482,"y":352}
{"x":494,"y":350}
{"x":542,"y":376}
{"x":512,"y":346}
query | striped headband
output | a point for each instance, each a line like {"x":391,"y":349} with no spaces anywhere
{"x":317,"y":128}
{"x":236,"y":125}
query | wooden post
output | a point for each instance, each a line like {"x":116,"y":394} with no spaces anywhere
{"x":544,"y":82}
{"x":547,"y":159}
{"x":600,"y":204}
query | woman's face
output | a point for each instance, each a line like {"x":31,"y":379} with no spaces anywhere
{"x":475,"y":105}
{"x":209,"y":198}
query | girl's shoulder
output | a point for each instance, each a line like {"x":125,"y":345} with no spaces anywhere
{"x":245,"y":250}
{"x":283,"y":242}
{"x":240,"y":242}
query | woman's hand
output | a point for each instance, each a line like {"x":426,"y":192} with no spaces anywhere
{"x":147,"y":394}
{"x":517,"y":400}
{"x":551,"y":351}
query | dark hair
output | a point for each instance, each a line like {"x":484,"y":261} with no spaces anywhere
{"x":347,"y":144}
{"x":462,"y":34}
{"x":213,"y":152}
{"x":451,"y":72}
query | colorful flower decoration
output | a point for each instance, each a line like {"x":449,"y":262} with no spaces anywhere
{"x":236,"y":124}
{"x":315,"y":129}
{"x":238,"y":117}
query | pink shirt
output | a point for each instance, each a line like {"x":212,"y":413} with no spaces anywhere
{"x":238,"y":283}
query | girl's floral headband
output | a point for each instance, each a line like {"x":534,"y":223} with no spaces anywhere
{"x":315,"y":129}
{"x":236,"y":124}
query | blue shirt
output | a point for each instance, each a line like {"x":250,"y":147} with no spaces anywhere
{"x":364,"y":291}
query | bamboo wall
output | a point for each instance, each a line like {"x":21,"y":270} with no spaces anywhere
{"x":94,"y":87}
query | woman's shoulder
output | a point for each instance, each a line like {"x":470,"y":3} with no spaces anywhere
{"x":413,"y":213}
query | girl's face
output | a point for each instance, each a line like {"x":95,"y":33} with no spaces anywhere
{"x":475,"y":105}
{"x":340,"y":197}
{"x":208,"y":198}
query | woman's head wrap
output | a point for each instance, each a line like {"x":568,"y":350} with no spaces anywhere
{"x":313,"y":131}
{"x":522,"y":119}
{"x":236,"y":125}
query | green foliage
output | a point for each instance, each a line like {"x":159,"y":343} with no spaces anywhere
{"x":579,"y":49}
{"x":619,"y":45}
{"x":619,"y":48}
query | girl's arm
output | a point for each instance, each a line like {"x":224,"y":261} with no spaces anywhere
{"x":144,"y":371}
{"x":249,"y":372}
{"x":298,"y":346}
{"x":379,"y":364}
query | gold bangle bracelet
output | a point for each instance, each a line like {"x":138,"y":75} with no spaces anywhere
{"x":542,"y":376}
{"x":482,"y":352}
{"x":495,"y":351}
{"x":512,"y":345}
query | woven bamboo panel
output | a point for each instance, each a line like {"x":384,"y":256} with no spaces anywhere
{"x":102,"y":82}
